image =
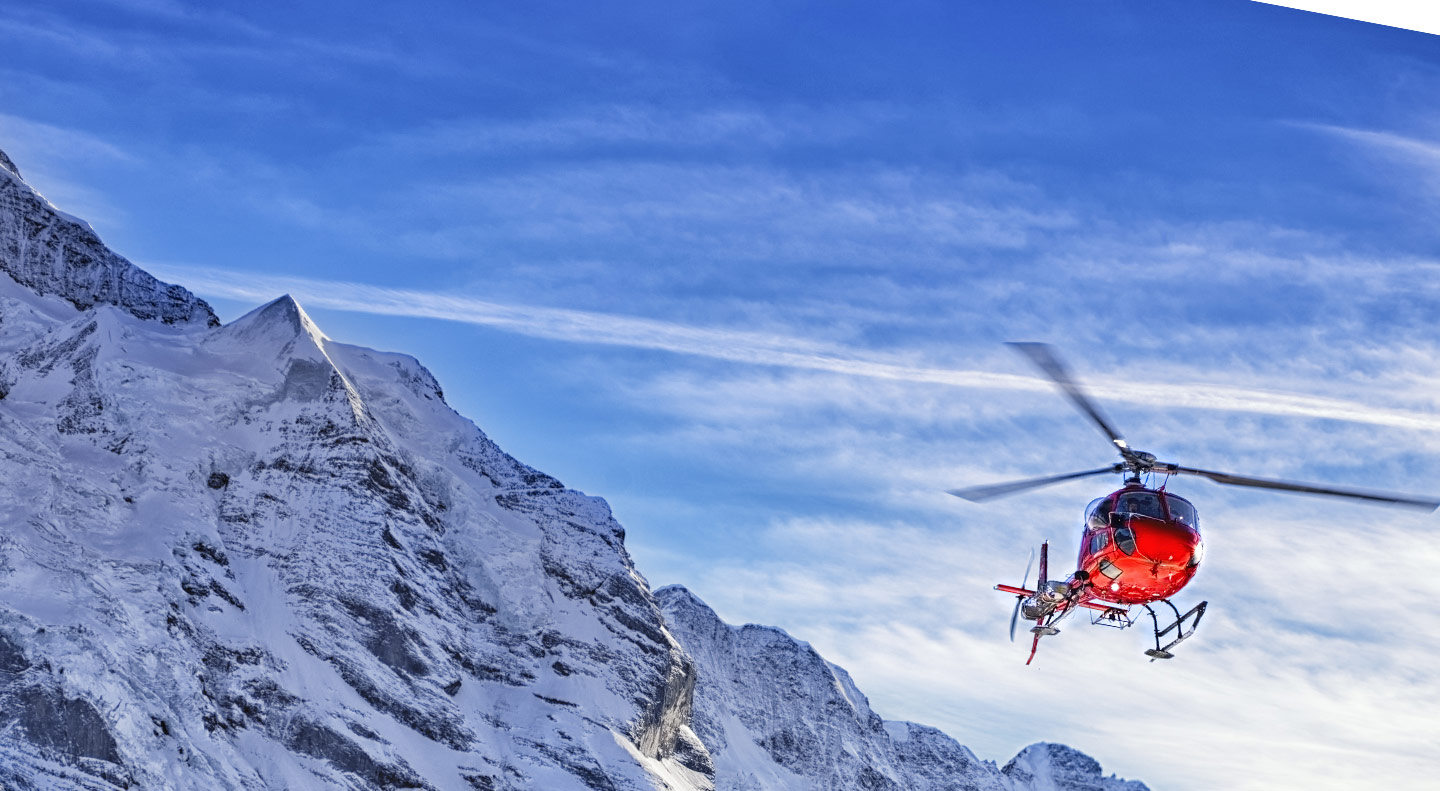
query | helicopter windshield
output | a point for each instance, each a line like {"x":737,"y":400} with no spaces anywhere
{"x":1097,"y":514}
{"x":1142,"y":503}
{"x":1181,"y":511}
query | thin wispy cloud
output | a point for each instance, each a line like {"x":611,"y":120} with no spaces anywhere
{"x":1422,"y":150}
{"x":752,"y":348}
{"x":1419,"y":156}
{"x":51,"y":142}
{"x":653,"y":128}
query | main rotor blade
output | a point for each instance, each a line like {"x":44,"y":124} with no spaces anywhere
{"x":1044,"y":358}
{"x":1386,"y":498}
{"x":1015,"y":616}
{"x":979,"y":494}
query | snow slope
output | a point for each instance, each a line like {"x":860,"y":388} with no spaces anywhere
{"x":251,"y":557}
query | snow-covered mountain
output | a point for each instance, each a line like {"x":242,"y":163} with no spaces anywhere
{"x":251,"y":557}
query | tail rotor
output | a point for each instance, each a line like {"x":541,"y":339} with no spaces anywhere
{"x":1019,"y":600}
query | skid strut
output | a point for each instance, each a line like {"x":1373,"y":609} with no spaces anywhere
{"x":1181,"y":633}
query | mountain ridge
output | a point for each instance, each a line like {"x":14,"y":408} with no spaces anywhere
{"x":52,"y":252}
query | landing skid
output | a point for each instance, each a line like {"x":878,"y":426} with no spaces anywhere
{"x":1179,"y":627}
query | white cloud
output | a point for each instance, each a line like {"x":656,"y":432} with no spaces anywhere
{"x":765,"y":349}
{"x":910,"y":613}
{"x":41,"y":140}
{"x":1419,"y":157}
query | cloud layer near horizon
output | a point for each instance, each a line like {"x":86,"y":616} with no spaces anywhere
{"x":752,"y":348}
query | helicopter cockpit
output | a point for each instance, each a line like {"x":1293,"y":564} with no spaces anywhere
{"x":1143,"y":503}
{"x":1182,"y":511}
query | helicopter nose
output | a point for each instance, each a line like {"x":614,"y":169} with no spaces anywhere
{"x":1166,"y":543}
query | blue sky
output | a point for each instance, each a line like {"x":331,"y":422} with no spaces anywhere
{"x":745,"y":272}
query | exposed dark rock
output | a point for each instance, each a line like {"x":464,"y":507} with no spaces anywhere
{"x":321,"y":742}
{"x":223,"y":593}
{"x":8,"y":165}
{"x":386,"y":639}
{"x":577,"y":762}
{"x":52,"y":253}
{"x":204,"y":550}
{"x":70,"y":726}
{"x":12,"y":658}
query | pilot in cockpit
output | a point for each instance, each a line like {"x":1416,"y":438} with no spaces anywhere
{"x":1142,"y":503}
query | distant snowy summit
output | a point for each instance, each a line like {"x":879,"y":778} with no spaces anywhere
{"x":249,"y":557}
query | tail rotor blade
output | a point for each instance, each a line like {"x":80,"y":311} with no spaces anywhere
{"x":1024,"y":582}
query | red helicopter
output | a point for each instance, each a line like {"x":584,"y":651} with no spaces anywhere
{"x":1140,"y":545}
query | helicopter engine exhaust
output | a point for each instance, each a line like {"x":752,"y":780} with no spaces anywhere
{"x":1045,"y":600}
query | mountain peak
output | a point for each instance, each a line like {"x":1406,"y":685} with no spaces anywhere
{"x":281,"y":325}
{"x":6,"y":164}
{"x":1047,"y":765}
{"x":283,"y":311}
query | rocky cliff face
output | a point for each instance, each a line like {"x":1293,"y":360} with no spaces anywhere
{"x":50,"y":252}
{"x":251,"y":557}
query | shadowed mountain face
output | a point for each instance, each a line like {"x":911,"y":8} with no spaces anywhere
{"x":50,"y":252}
{"x":250,"y":557}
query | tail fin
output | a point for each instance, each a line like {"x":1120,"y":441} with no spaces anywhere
{"x":1040,"y":586}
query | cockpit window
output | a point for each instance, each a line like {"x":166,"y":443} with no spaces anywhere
{"x":1097,"y":514}
{"x":1181,"y":511}
{"x":1142,"y":503}
{"x":1099,"y":541}
{"x":1125,"y":539}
